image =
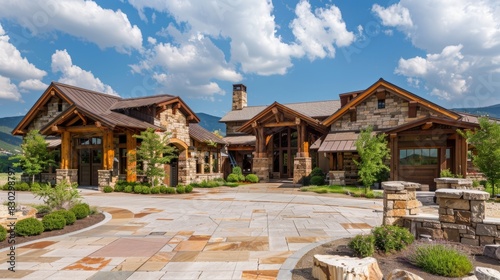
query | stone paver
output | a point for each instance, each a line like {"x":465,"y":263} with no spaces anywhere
{"x":248,"y":232}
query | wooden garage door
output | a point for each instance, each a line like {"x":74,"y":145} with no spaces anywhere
{"x":419,"y":165}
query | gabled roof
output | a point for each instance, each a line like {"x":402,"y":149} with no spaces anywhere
{"x":399,"y":91}
{"x":315,"y":109}
{"x":100,"y":107}
{"x":240,"y":139}
{"x":198,"y":133}
{"x":268,"y":114}
{"x":428,"y":121}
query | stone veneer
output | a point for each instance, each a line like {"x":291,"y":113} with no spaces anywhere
{"x":69,"y":175}
{"x":455,"y":183}
{"x":176,"y":124}
{"x":367,"y":113}
{"x":261,"y":169}
{"x":302,"y":166}
{"x":104,"y":178}
{"x":49,"y":112}
{"x":461,"y":215}
{"x":400,"y":200}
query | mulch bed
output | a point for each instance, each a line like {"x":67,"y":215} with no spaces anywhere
{"x":78,"y":225}
{"x":387,"y":263}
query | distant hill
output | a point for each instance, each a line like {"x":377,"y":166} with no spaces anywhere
{"x":8,"y":142}
{"x":211,"y":123}
{"x":491,"y":111}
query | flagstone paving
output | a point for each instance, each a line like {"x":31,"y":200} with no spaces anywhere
{"x":249,"y":232}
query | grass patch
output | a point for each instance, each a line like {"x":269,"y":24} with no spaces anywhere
{"x":441,"y":260}
{"x":348,"y":190}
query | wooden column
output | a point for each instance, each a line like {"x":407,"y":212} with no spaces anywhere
{"x":260,"y":141}
{"x":108,"y":150}
{"x":131,"y":157}
{"x":460,"y":164}
{"x":393,"y":142}
{"x":303,"y":144}
{"x":65,"y":150}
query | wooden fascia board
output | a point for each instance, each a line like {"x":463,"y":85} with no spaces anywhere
{"x":373,"y":90}
{"x":42,"y":100}
{"x":434,"y":120}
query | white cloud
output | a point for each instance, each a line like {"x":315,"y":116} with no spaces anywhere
{"x":12,"y":64}
{"x":319,"y":32}
{"x":461,"y":37}
{"x":83,"y":19}
{"x":32,"y":84}
{"x":74,"y":75}
{"x":8,"y":90}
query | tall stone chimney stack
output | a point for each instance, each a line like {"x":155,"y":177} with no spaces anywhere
{"x":239,"y":96}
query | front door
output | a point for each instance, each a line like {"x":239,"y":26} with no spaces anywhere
{"x":174,"y":172}
{"x":89,"y":164}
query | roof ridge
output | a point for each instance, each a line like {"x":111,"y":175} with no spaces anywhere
{"x":150,"y":96}
{"x":87,"y":90}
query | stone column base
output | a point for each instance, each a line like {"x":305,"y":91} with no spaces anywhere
{"x":302,"y":167}
{"x":260,"y":167}
{"x":104,"y":178}
{"x":68,"y":175}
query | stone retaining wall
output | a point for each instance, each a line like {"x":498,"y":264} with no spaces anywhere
{"x":455,"y":183}
{"x":461,"y":214}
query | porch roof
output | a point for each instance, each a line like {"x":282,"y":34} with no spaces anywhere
{"x":198,"y":133}
{"x":240,"y":139}
{"x":339,"y":142}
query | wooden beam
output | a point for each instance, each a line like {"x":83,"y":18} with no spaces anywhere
{"x":131,"y":157}
{"x":427,"y":125}
{"x":73,"y":121}
{"x":54,"y":128}
{"x":83,"y":129}
{"x":84,"y":120}
{"x":281,"y":124}
{"x":275,"y":112}
{"x":98,"y":124}
{"x":108,"y":150}
{"x":65,"y":149}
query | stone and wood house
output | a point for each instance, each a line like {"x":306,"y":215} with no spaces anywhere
{"x":92,"y":134}
{"x":288,"y":140}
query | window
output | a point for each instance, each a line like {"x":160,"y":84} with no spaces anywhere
{"x":381,"y":104}
{"x":418,"y":156}
{"x":60,"y":105}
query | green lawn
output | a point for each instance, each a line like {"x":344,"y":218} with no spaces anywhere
{"x":4,"y":179}
{"x":348,"y":190}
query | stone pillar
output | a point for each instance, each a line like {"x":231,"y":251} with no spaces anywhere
{"x":400,"y":199}
{"x":302,"y":166}
{"x":461,"y":213}
{"x":260,"y":167}
{"x":69,"y":175}
{"x":104,"y":178}
{"x":187,"y":171}
{"x":453,"y":183}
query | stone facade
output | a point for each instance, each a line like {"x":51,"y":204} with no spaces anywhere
{"x":400,"y":200}
{"x":232,"y":127}
{"x":239,"y":97}
{"x":176,"y":124}
{"x":261,"y":168}
{"x":53,"y":108}
{"x":455,"y":183}
{"x":104,"y":178}
{"x":367,"y":113}
{"x":69,"y":175}
{"x":302,"y":167}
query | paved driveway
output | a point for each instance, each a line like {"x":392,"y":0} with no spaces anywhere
{"x":250,"y":232}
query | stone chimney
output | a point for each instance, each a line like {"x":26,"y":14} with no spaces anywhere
{"x":239,"y":96}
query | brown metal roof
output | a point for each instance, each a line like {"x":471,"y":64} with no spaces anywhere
{"x":198,"y":133}
{"x":242,"y":139}
{"x":141,"y":101}
{"x":339,"y":142}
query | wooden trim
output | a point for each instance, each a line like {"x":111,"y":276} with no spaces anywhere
{"x":108,"y":150}
{"x":427,"y":125}
{"x":281,"y":124}
{"x":131,"y":157}
{"x":65,"y":150}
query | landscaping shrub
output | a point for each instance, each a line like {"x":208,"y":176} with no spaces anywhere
{"x":146,"y":190}
{"x":138,"y":188}
{"x":392,"y":238}
{"x":68,"y":216}
{"x":29,"y":227}
{"x":317,"y":180}
{"x":107,"y":189}
{"x":22,"y":186}
{"x":128,"y":189}
{"x":180,"y":189}
{"x":252,"y":178}
{"x":119,"y":188}
{"x":232,"y":178}
{"x":370,"y":195}
{"x":363,"y":245}
{"x":189,"y":188}
{"x":231,"y":184}
{"x":42,"y":209}
{"x":170,"y":190}
{"x":317,"y":172}
{"x":163,"y":189}
{"x":3,"y":233}
{"x":155,"y":190}
{"x":35,"y":186}
{"x":62,"y":196}
{"x":237,"y":170}
{"x":53,"y":221}
{"x":241,"y":178}
{"x":81,"y":210}
{"x":441,"y":260}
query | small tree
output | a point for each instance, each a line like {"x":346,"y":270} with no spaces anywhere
{"x":486,"y":142}
{"x":373,"y":151}
{"x":154,"y":151}
{"x":35,"y":156}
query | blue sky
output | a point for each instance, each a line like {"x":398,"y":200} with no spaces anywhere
{"x":285,"y":51}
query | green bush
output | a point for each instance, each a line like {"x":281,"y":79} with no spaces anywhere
{"x":163,"y":189}
{"x":189,"y":188}
{"x":231,"y":184}
{"x":170,"y":190}
{"x":232,"y":178}
{"x":146,"y":190}
{"x":370,"y":195}
{"x":363,"y":245}
{"x":241,"y":178}
{"x":3,"y":233}
{"x":62,"y":196}
{"x":42,"y":209}
{"x":392,"y":238}
{"x":107,"y":189}
{"x":53,"y":221}
{"x":119,"y":188}
{"x":317,"y":180}
{"x":68,"y":216}
{"x":128,"y":189}
{"x":208,"y":184}
{"x":317,"y":172}
{"x":155,"y":190}
{"x":237,"y":170}
{"x":252,"y":178}
{"x":35,"y":186}
{"x":441,"y":260}
{"x":447,"y":173}
{"x":22,"y":186}
{"x":29,"y":227}
{"x":138,"y":188}
{"x":81,"y":210}
{"x":181,"y":189}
